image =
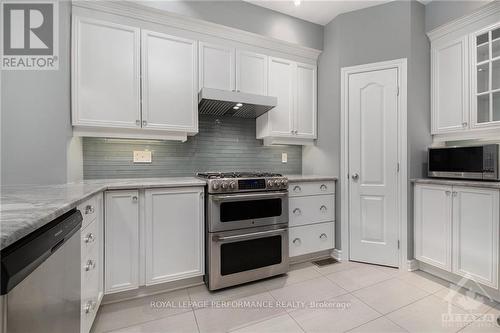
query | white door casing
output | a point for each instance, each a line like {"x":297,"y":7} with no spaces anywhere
{"x":373,"y":164}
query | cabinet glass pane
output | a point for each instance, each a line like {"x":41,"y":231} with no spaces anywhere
{"x":481,"y":39}
{"x":495,"y":75}
{"x":496,"y":106}
{"x":483,"y":108}
{"x":483,"y":77}
{"x":495,"y":49}
{"x":483,"y":52}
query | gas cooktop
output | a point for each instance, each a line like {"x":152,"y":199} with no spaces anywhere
{"x":230,"y":182}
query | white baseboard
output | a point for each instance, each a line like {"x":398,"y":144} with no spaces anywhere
{"x":337,"y":254}
{"x":412,"y":265}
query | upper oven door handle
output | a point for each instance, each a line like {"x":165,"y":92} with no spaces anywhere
{"x":248,"y":236}
{"x":241,"y":197}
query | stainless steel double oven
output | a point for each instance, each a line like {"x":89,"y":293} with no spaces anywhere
{"x":246,"y":228}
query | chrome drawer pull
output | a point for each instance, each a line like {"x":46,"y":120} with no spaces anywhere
{"x":251,"y":235}
{"x":323,"y":209}
{"x":297,"y":211}
{"x":89,"y":209}
{"x":90,"y":265}
{"x":90,"y":238}
{"x":296,"y":241}
{"x":323,"y":187}
{"x":297,"y":189}
{"x":323,"y":236}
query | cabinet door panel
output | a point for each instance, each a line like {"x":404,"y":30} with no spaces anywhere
{"x":251,"y":72}
{"x":105,"y":74}
{"x":169,"y":82}
{"x":174,"y":234}
{"x":305,"y":112}
{"x":450,"y":87}
{"x":281,"y":85}
{"x":433,"y":218}
{"x":216,"y":67}
{"x":475,"y":234}
{"x":121,"y":241}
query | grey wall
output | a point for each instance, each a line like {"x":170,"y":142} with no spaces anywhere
{"x":439,"y":12}
{"x":35,"y":118}
{"x":222,"y":144}
{"x":386,"y":32}
{"x":249,"y":17}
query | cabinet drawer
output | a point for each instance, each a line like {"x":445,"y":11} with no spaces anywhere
{"x":311,"y":188}
{"x":90,"y":239}
{"x":89,"y":210}
{"x":311,"y":238}
{"x":89,"y":288}
{"x":311,"y":209}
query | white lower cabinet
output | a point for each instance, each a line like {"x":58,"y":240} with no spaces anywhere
{"x":456,"y":229}
{"x":121,"y":241}
{"x":311,"y":217}
{"x":174,"y":234}
{"x":153,"y":236}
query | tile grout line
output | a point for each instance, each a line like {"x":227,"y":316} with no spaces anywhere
{"x":192,"y":309}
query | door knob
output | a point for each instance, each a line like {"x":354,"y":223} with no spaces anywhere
{"x":355,"y":176}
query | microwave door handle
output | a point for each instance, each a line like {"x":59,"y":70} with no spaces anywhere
{"x":248,"y":236}
{"x":239,"y":197}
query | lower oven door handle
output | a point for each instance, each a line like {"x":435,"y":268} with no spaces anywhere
{"x":239,"y":197}
{"x":246,"y":236}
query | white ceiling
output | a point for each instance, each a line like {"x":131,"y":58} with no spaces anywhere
{"x":320,"y":12}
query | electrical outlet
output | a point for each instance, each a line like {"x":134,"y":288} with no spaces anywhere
{"x":142,"y":156}
{"x":284,"y":157}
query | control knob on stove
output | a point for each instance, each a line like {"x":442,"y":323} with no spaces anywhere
{"x":215,"y":185}
{"x":276,"y":183}
{"x":223,"y":185}
{"x":283,"y":183}
{"x":270,"y":183}
{"x":232,"y":185}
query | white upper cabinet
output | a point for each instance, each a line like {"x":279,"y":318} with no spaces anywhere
{"x":169,"y":82}
{"x":174,"y":234}
{"x":217,"y":67}
{"x":106,"y":71}
{"x":450,"y":86}
{"x":485,"y":77}
{"x":293,"y":120}
{"x":305,"y":115}
{"x":251,"y":72}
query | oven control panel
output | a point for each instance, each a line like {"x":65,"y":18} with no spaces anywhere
{"x":247,"y":184}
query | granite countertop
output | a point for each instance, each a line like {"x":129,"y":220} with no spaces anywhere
{"x":309,"y":178}
{"x":457,"y":182}
{"x":24,"y":209}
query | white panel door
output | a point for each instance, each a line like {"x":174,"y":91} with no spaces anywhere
{"x":106,"y":74}
{"x":121,"y":232}
{"x":373,"y":158}
{"x":251,"y":72}
{"x":305,"y":112}
{"x":282,"y":85}
{"x":432,"y":225}
{"x":216,"y":67}
{"x":475,"y":234}
{"x":174,"y":234}
{"x":169,"y":82}
{"x":450,"y":86}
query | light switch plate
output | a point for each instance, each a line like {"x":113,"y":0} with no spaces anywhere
{"x":284,"y":157}
{"x":142,"y":156}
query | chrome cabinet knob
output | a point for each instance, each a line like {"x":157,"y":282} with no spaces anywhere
{"x":138,"y":122}
{"x":89,"y":209}
{"x":297,"y":211}
{"x":90,"y":265}
{"x":297,"y":189}
{"x":135,"y":198}
{"x":89,"y":238}
{"x":323,"y":187}
{"x":144,"y":123}
{"x":323,"y":209}
{"x":323,"y":236}
{"x":355,"y":176}
{"x":297,"y":241}
{"x":464,"y":124}
{"x":89,"y":307}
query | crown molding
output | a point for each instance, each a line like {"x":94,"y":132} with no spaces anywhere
{"x":148,"y":14}
{"x":492,"y":8}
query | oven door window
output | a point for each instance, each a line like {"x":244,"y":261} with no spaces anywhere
{"x":250,"y":254}
{"x":250,"y":209}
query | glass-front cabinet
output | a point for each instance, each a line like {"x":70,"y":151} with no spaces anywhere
{"x":485,"y":61}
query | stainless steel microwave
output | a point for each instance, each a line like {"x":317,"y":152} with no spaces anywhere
{"x":473,"y":162}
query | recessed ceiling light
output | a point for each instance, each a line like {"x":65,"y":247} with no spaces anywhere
{"x":236,"y":107}
{"x":296,"y":2}
{"x":239,"y":105}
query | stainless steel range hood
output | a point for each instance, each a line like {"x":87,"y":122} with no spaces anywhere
{"x":217,"y":102}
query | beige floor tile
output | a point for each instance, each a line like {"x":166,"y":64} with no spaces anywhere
{"x":425,"y":281}
{"x":358,"y":278}
{"x":297,"y":273}
{"x":238,"y":313}
{"x":338,"y":267}
{"x":311,"y":290}
{"x":281,"y":324}
{"x":137,"y":311}
{"x":339,"y":319}
{"x":202,"y":294}
{"x":488,"y":323}
{"x":430,"y":315}
{"x":380,"y":325}
{"x":470,"y":301}
{"x":390,"y":295}
{"x":180,"y":323}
